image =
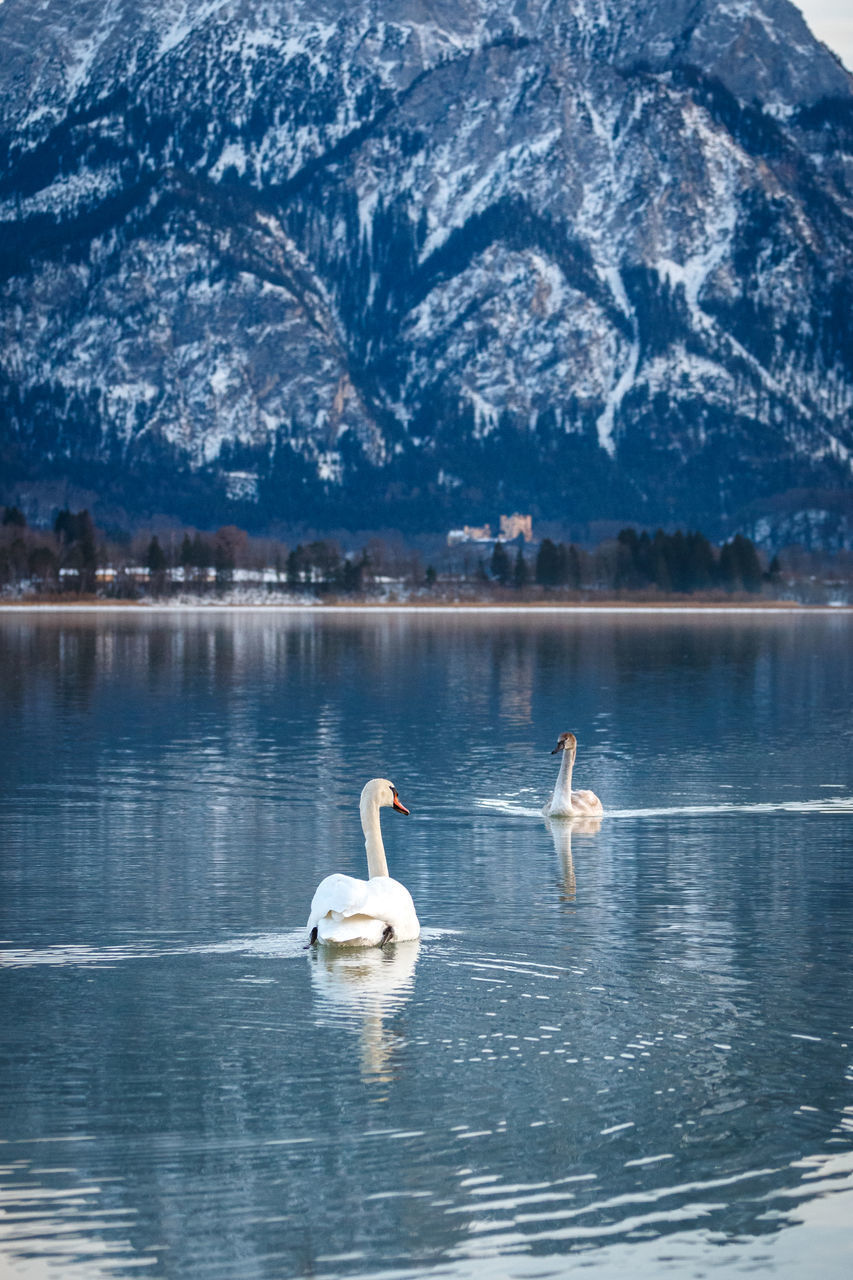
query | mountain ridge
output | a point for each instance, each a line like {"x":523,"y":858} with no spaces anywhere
{"x":271,"y":263}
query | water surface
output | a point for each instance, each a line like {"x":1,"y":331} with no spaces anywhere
{"x":627,"y":1049}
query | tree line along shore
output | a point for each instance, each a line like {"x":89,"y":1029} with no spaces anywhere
{"x":74,"y":559}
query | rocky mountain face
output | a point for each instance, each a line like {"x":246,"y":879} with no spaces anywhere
{"x":370,"y":263}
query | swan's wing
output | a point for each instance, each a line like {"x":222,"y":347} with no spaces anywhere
{"x":385,"y":897}
{"x":338,"y":894}
{"x":388,"y":900}
{"x":587,"y":801}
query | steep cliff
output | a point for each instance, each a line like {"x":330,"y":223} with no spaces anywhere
{"x":398,"y":263}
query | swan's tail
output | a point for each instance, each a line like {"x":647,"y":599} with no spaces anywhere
{"x":350,"y":931}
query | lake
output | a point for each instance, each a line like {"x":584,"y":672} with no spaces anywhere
{"x":625,"y":1050}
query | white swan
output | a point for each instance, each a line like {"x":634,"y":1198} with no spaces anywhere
{"x":565,"y":803}
{"x":366,"y":913}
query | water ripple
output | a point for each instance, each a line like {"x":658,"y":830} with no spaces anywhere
{"x":825,"y":804}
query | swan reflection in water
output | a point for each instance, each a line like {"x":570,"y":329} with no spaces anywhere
{"x":562,"y":830}
{"x":361,"y":988}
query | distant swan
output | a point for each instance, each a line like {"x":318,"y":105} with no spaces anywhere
{"x":366,"y":913}
{"x":565,"y":803}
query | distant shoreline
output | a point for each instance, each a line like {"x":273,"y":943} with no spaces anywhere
{"x":792,"y":607}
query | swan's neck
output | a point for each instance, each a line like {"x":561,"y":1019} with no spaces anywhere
{"x":376,"y":863}
{"x":563,"y":788}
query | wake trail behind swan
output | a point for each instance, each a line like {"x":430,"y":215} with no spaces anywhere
{"x":834,"y":804}
{"x":289,"y":945}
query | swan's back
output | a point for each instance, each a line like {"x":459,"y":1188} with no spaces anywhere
{"x":586,"y":802}
{"x":355,"y":912}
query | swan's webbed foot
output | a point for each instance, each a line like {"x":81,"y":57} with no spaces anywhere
{"x":312,"y":941}
{"x":387,"y":935}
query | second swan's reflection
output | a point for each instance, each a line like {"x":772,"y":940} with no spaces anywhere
{"x":362,"y":989}
{"x":562,"y":830}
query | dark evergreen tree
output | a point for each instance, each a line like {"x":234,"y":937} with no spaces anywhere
{"x":727,"y":567}
{"x":660,"y":574}
{"x":223,"y":562}
{"x":520,"y":575}
{"x":351,"y":573}
{"x":43,"y":566}
{"x":65,"y":526}
{"x":547,"y":564}
{"x":644,"y":559}
{"x":155,"y":562}
{"x":185,"y":555}
{"x":748,"y":563}
{"x":155,"y":557}
{"x":324,"y":560}
{"x":562,"y":564}
{"x":76,"y":534}
{"x":573,"y":567}
{"x":628,"y":570}
{"x":774,"y":571}
{"x":88,"y":551}
{"x":701,"y":566}
{"x":675,"y":551}
{"x":500,"y":565}
{"x":629,"y":539}
{"x":294,"y":567}
{"x":15,"y":561}
{"x":739,"y":566}
{"x":201,"y":558}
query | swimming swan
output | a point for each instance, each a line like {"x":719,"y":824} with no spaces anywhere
{"x":366,"y":913}
{"x":565,"y":803}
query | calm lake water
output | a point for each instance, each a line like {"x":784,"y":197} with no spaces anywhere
{"x":623,"y":1051}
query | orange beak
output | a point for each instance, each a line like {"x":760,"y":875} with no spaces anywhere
{"x":399,"y":807}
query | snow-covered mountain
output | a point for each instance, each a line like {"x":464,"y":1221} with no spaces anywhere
{"x":407,"y":262}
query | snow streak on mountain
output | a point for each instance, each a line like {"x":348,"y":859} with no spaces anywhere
{"x":404,"y":263}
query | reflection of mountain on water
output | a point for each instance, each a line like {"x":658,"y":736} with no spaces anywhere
{"x":561,"y":832}
{"x":361,"y":988}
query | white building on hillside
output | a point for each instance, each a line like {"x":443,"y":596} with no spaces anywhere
{"x":512,"y":527}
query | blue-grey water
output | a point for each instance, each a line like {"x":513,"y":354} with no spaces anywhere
{"x":614,"y":1051}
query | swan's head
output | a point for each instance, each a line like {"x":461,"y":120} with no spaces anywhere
{"x":381,"y":792}
{"x":566,"y":742}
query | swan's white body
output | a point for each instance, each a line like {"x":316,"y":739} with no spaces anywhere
{"x":352,"y":912}
{"x":564,"y":802}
